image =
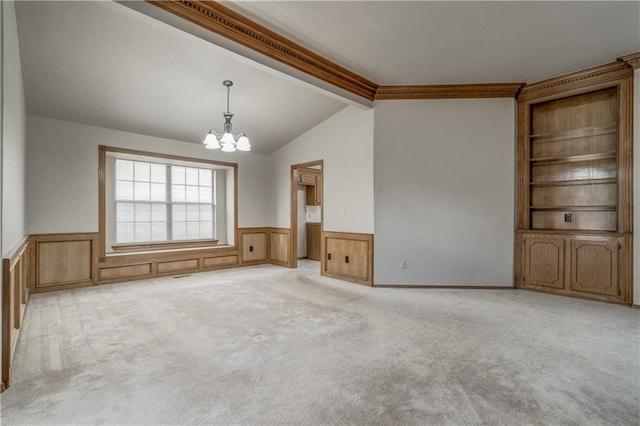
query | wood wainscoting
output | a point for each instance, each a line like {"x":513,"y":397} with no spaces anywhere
{"x":138,"y":266}
{"x":347,"y":256}
{"x":64,"y":261}
{"x":254,"y":245}
{"x":264,"y":245}
{"x":15,"y":294}
{"x":279,"y":246}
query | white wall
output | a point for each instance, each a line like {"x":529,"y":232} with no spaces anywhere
{"x":62,"y":180}
{"x":13,"y":135}
{"x":636,"y":188}
{"x":345,"y":142}
{"x":444,"y":191}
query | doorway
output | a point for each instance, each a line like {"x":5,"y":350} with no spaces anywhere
{"x":307,"y":200}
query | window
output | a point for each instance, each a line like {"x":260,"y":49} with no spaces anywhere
{"x":149,"y":201}
{"x":159,"y":202}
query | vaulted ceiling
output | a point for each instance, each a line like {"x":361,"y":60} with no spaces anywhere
{"x":104,"y":64}
{"x":431,"y":42}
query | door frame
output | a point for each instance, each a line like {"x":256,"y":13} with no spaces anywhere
{"x":293,"y":233}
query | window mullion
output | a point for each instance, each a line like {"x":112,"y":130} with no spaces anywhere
{"x":169,"y":204}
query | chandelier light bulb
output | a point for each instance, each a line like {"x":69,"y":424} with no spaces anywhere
{"x":243,"y":144}
{"x":211,"y":141}
{"x":227,"y":138}
{"x":228,"y":147}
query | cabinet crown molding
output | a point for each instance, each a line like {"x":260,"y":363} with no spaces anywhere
{"x":448,"y":91}
{"x":590,"y":76}
{"x":633,"y":59}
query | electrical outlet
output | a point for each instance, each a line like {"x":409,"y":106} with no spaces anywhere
{"x":403,"y":264}
{"x":342,"y":212}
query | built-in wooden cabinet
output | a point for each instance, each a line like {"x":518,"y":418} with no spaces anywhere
{"x":312,"y":178}
{"x":307,"y":176}
{"x":581,"y":265}
{"x":574,"y":217}
{"x":348,"y":256}
{"x":313,"y":240}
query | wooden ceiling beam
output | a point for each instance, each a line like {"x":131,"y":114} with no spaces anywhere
{"x":215,"y":17}
{"x":449,"y":91}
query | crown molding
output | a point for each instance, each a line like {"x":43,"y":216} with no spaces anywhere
{"x":633,"y":59}
{"x":449,"y":91}
{"x":215,"y":17}
{"x":577,"y":80}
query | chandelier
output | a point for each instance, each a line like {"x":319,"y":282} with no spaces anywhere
{"x":227,"y":142}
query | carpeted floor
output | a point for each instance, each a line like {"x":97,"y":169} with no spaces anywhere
{"x":269,"y":345}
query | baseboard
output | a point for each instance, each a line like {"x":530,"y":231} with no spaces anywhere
{"x":453,"y":287}
{"x":635,"y":306}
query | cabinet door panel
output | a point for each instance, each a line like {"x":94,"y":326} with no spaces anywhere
{"x":594,"y":266}
{"x":348,"y":257}
{"x":254,"y":247}
{"x":544,"y":262}
{"x":335,"y":255}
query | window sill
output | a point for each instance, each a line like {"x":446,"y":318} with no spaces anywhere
{"x":163,"y":246}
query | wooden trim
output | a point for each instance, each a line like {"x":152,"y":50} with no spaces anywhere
{"x":452,"y":287}
{"x":366,"y":279}
{"x":449,"y":91}
{"x":121,"y":248}
{"x":562,"y":85}
{"x":293,"y":236}
{"x":167,"y":156}
{"x":221,"y":20}
{"x":284,"y":231}
{"x":632,"y":59}
{"x":257,"y":230}
{"x":574,"y":296}
{"x":15,"y":296}
{"x":102,"y":156}
{"x":102,"y":202}
{"x":92,"y":238}
{"x":635,"y":306}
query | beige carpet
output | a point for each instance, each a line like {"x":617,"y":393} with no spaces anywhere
{"x":268,"y":345}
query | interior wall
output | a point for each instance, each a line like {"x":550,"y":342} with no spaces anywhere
{"x":444,"y":192}
{"x":13,"y":133}
{"x":62,"y":182}
{"x":345,"y":142}
{"x":636,"y":187}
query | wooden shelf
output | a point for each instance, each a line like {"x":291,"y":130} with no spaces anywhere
{"x":574,"y":208}
{"x":607,"y":129}
{"x":575,"y":182}
{"x":575,"y":158}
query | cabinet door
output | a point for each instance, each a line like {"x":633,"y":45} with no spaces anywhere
{"x":306,"y":178}
{"x":254,"y":247}
{"x":348,"y":258}
{"x":544,"y":262}
{"x":313,"y":241}
{"x":594,"y":266}
{"x":318,"y":191}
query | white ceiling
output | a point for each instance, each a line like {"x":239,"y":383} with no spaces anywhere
{"x":420,"y":42}
{"x":103,"y":64}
